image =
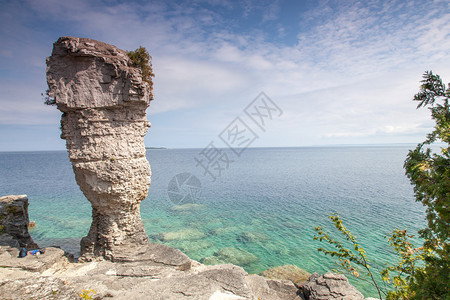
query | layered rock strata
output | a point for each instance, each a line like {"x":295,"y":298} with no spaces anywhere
{"x":104,"y":100}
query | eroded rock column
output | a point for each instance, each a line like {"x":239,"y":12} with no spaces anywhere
{"x":103,"y":100}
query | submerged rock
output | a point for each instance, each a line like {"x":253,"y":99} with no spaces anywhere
{"x":187,"y":207}
{"x":104,"y":100}
{"x":186,"y":234}
{"x":194,"y":246}
{"x":226,"y":230}
{"x":252,"y":237}
{"x":232,"y":256}
{"x":287,"y":272}
{"x":14,"y":222}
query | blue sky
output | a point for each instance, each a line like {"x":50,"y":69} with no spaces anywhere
{"x":343,"y":72}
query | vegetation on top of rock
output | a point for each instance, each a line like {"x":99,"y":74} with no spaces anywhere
{"x":47,"y":99}
{"x":142,"y":60}
{"x":421,"y":272}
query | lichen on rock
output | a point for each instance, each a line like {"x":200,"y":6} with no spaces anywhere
{"x":104,"y":101}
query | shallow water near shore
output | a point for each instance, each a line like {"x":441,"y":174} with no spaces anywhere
{"x":259,"y":213}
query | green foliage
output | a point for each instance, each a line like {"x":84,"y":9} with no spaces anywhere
{"x":396,"y":278}
{"x":401,"y":275}
{"x":354,"y":254}
{"x":423,"y":272}
{"x":429,"y":173}
{"x":141,"y":59}
{"x":47,"y":99}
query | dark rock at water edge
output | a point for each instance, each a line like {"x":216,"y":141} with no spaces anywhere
{"x":14,"y":222}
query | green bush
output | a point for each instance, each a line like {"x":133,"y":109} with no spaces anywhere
{"x":141,"y":59}
{"x":429,"y":173}
{"x":421,"y":272}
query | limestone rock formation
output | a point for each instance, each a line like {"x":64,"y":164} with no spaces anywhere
{"x":103,"y":100}
{"x":14,"y":222}
{"x":26,"y":278}
{"x":330,"y":286}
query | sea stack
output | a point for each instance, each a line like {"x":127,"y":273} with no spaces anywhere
{"x":104,"y":100}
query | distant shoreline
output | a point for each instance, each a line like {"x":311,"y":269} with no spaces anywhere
{"x":412,"y":145}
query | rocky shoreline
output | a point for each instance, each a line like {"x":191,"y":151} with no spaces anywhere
{"x":162,"y":273}
{"x":103,"y":99}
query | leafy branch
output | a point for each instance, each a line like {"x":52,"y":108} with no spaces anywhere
{"x":420,"y":272}
{"x":346,"y":256}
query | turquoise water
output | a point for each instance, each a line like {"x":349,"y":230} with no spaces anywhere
{"x":266,"y":203}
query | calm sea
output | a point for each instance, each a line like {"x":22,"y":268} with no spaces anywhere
{"x":265,"y":202}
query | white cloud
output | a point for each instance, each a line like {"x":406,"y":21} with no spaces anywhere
{"x":351,"y":73}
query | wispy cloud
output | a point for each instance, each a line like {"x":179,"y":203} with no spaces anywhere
{"x":350,"y":70}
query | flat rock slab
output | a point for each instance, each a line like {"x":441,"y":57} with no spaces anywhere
{"x":164,"y":275}
{"x":224,"y":281}
{"x":37,"y":288}
{"x":130,"y":280}
{"x":156,"y":253}
{"x":9,"y":258}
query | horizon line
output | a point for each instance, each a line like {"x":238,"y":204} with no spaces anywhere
{"x":262,"y":147}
